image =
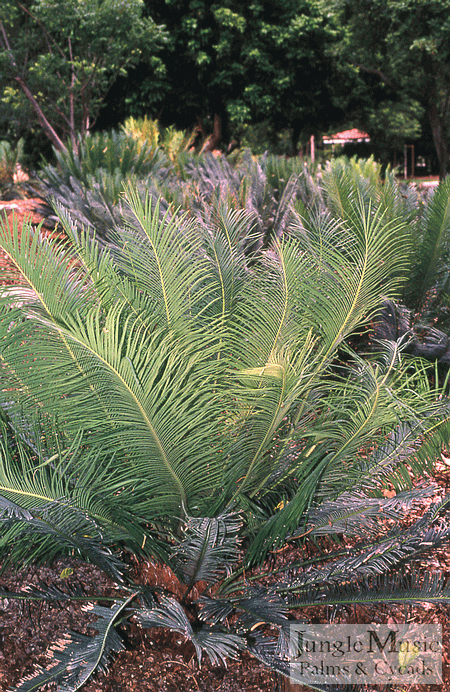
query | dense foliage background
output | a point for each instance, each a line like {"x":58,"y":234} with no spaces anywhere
{"x":265,"y":74}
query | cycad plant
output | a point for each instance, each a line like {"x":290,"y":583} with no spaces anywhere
{"x":427,"y":220}
{"x":429,"y":287}
{"x":10,"y":158}
{"x":173,"y":397}
{"x":143,"y":130}
{"x":89,"y":183}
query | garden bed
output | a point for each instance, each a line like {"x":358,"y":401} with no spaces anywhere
{"x":158,"y":659}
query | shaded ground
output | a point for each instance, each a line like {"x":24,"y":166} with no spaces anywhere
{"x":159,"y":660}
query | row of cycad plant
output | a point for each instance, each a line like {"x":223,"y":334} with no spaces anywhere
{"x":197,"y":401}
{"x":273,"y":189}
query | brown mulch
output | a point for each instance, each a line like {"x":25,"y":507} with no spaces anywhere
{"x":23,"y":210}
{"x":154,"y":659}
{"x":159,"y":660}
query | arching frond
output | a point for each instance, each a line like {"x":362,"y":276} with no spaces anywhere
{"x":216,"y":644}
{"x":209,"y":548}
{"x":432,"y":248}
{"x":76,"y":656}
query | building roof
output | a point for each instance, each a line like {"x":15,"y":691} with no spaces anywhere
{"x":353,"y":135}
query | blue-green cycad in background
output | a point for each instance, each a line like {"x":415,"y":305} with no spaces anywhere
{"x":430,"y":276}
{"x":210,"y":408}
{"x":426,"y":217}
{"x":89,"y":183}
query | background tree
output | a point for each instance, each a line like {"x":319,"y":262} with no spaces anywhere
{"x":232,"y":65}
{"x":59,"y":58}
{"x":401,"y":48}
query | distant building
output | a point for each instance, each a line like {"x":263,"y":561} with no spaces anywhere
{"x":352,"y":136}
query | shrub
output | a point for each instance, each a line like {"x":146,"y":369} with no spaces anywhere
{"x":202,"y":406}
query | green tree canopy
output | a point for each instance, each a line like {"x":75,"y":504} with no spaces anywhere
{"x":58,"y":58}
{"x":402,"y":49}
{"x":236,"y":64}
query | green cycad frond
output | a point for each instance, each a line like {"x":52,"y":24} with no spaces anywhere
{"x":423,"y":425}
{"x":77,"y":656}
{"x":398,"y":200}
{"x":431,"y":266}
{"x":51,"y":593}
{"x":342,"y":186}
{"x":354,"y":513}
{"x":228,"y":233}
{"x":59,"y":287}
{"x":349,"y":287}
{"x":317,"y":231}
{"x":57,"y":528}
{"x":345,"y":421}
{"x":270,"y":367}
{"x":393,"y":589}
{"x":268,"y":394}
{"x":113,"y":341}
{"x":218,"y":645}
{"x":68,"y":501}
{"x":260,"y":606}
{"x":44,"y":268}
{"x":94,"y":261}
{"x":209,"y":549}
{"x":374,"y":557}
{"x":48,"y":509}
{"x":344,"y":179}
{"x":275,"y":299}
{"x":35,"y":485}
{"x":110,"y":272}
{"x":127,"y":364}
{"x":163,"y":258}
{"x":378,"y":403}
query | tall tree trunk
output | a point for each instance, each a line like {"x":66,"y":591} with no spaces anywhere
{"x":216,"y":135}
{"x":439,"y":131}
{"x":45,"y":124}
{"x":73,"y":79}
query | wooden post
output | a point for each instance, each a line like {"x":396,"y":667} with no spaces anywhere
{"x":405,"y":163}
{"x":312,"y":147}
